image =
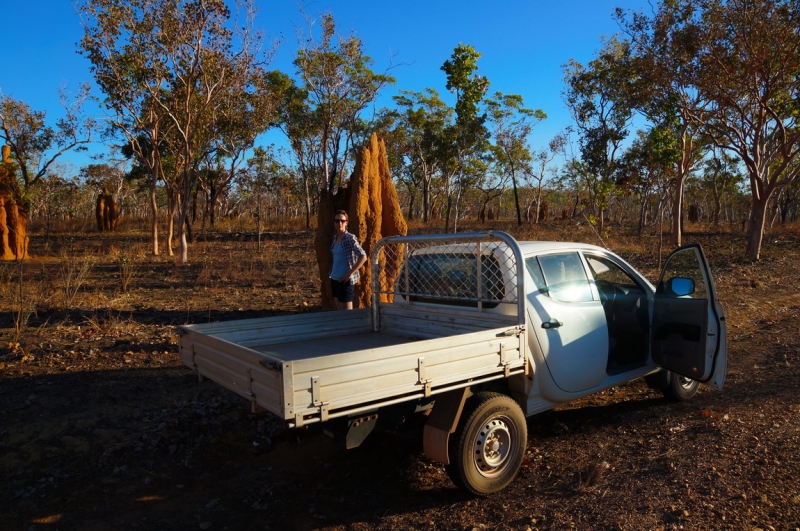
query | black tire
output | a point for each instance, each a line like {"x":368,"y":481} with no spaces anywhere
{"x":680,"y":388}
{"x":487,"y":448}
{"x":673,"y":386}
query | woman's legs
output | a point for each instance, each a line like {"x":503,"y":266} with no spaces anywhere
{"x":342,"y":294}
{"x":343,"y":305}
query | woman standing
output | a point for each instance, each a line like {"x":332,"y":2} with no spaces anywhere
{"x":347,"y":257}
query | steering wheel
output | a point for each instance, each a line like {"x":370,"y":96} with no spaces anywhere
{"x":607,"y":291}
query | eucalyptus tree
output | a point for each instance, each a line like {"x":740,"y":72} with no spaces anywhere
{"x":170,"y":64}
{"x":468,"y":136}
{"x":37,"y":145}
{"x":512,"y":123}
{"x":296,"y":119}
{"x":647,"y":164}
{"x":428,"y":122}
{"x":665,"y":64}
{"x":598,"y":97}
{"x":339,"y":84}
{"x":538,"y":169}
{"x":573,"y":180}
{"x":129,"y":68}
{"x":489,"y":177}
{"x":58,"y":195}
{"x":720,"y":173}
{"x":238,"y":118}
{"x":749,"y":66}
{"x":269,"y":174}
{"x":789,"y":202}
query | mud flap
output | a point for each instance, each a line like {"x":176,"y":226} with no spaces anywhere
{"x":443,"y":421}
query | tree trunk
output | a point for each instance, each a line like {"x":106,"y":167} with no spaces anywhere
{"x":643,"y":214}
{"x":171,"y":202}
{"x":212,"y":199}
{"x":677,"y":208}
{"x":307,"y":193}
{"x":538,"y":202}
{"x":755,"y":230}
{"x":455,"y":209}
{"x":154,"y":213}
{"x":447,"y":213}
{"x":516,"y":197}
{"x":426,"y":199}
{"x":183,"y":213}
{"x":449,"y":194}
{"x":774,"y":209}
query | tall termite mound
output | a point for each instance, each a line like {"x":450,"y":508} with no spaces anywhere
{"x":374,"y":210}
{"x":13,"y":215}
{"x":106,"y":212}
{"x":392,"y":221}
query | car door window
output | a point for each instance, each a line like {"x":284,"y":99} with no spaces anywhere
{"x":683,"y":265}
{"x":605,"y":270}
{"x":565,"y":277}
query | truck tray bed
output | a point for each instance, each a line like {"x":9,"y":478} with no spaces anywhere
{"x":341,"y":367}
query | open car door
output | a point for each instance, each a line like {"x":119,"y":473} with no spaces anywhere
{"x":688,"y":324}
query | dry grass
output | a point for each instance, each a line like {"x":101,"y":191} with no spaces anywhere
{"x":74,"y":274}
{"x":84,"y":384}
{"x":89,"y":270}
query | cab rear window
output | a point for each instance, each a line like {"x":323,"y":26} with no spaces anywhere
{"x":452,"y":278}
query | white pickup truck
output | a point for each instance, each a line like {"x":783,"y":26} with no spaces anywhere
{"x":477,"y":331}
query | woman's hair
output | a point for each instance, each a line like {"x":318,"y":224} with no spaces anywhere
{"x":342,"y":212}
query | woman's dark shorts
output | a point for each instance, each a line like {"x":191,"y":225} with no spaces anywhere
{"x":342,"y":291}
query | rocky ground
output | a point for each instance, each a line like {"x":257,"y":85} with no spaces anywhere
{"x":101,"y":427}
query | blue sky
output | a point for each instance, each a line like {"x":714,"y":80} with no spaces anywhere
{"x":524,"y":45}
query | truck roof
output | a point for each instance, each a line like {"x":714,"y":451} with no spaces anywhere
{"x":538,"y":247}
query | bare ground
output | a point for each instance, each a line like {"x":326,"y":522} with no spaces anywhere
{"x":101,"y":427}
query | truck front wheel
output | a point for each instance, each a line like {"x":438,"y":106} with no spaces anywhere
{"x":673,"y":386}
{"x":487,"y":448}
{"x":681,"y":388}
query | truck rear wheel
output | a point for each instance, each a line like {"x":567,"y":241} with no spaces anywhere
{"x":487,"y":448}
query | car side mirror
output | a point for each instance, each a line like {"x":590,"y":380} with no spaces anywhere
{"x":680,"y":286}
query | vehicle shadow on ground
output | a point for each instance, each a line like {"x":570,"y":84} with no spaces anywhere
{"x":111,"y":448}
{"x":155,"y":449}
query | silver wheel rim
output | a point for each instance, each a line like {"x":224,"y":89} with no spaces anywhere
{"x":492,"y":447}
{"x":686,"y":383}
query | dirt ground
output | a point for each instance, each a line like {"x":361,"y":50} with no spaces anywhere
{"x":101,"y":427}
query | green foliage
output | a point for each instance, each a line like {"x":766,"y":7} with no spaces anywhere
{"x":36,"y":145}
{"x":469,"y":87}
{"x":513,"y":123}
{"x":339,"y":84}
{"x":184,"y":76}
{"x":599,"y":98}
{"x":427,"y":125}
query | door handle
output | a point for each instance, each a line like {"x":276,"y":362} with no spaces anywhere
{"x":552,"y":323}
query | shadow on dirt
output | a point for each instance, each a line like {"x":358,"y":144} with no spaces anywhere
{"x":154,"y":449}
